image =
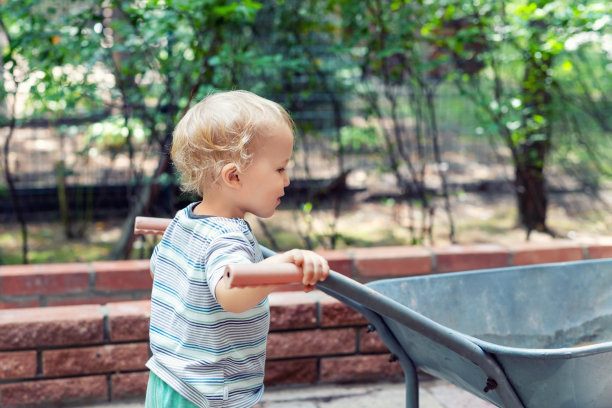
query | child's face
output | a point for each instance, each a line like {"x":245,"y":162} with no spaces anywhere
{"x":264,"y":181}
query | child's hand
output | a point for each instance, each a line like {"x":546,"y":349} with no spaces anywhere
{"x":314,"y":266}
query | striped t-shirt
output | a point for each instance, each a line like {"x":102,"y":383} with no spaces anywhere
{"x":212,"y":357}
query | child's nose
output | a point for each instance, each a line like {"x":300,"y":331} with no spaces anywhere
{"x":287,"y":181}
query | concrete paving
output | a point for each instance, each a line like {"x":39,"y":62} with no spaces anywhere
{"x":433,"y":393}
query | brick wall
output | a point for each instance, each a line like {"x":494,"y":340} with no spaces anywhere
{"x":79,"y":332}
{"x":73,"y":283}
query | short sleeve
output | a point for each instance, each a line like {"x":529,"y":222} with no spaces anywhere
{"x":153,"y":261}
{"x":225,"y":250}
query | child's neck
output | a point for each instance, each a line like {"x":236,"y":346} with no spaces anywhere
{"x":216,"y":209}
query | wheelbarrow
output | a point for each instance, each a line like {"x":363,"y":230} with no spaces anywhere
{"x":534,"y":336}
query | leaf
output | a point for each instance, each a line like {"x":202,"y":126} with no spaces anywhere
{"x":224,"y":11}
{"x":567,"y":66}
{"x":307,"y":207}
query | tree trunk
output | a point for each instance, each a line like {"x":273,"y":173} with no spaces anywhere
{"x":530,"y":186}
{"x":531,"y":153}
{"x":140,"y":207}
{"x":11,"y":186}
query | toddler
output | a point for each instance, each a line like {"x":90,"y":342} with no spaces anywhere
{"x":208,"y":342}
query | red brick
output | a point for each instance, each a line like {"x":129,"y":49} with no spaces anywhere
{"x":128,"y":385}
{"x":539,"y":253}
{"x":599,"y":251}
{"x":292,"y":310}
{"x":51,"y":326}
{"x":338,"y":261}
{"x":298,"y":371}
{"x":359,"y":368}
{"x":306,"y":343}
{"x":94,"y":360}
{"x":371,"y":342}
{"x":17,"y":364}
{"x":90,"y":300}
{"x":129,"y":320}
{"x":51,"y":392}
{"x":469,"y":257}
{"x":17,"y":304}
{"x":391,"y":261}
{"x":336,"y":314}
{"x":122,"y":275}
{"x":44,"y":279}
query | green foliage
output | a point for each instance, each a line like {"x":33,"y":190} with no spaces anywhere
{"x":296,"y":62}
{"x":537,"y":72}
{"x":359,"y":138}
{"x":112,"y":135}
{"x":147,"y":59}
{"x":530,"y":55}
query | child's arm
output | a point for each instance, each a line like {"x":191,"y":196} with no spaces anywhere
{"x":238,"y":300}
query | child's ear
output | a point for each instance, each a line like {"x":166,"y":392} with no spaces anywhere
{"x":230,"y":175}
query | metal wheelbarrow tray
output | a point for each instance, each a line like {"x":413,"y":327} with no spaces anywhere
{"x":534,"y":336}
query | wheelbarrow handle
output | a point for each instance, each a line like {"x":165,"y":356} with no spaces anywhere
{"x":150,"y":225}
{"x":262,"y":274}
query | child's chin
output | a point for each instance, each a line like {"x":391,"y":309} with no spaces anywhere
{"x":265,"y":214}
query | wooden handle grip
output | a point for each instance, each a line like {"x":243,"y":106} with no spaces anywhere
{"x":258,"y":274}
{"x":151,"y":225}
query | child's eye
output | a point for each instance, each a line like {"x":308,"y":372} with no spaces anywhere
{"x":281,"y":170}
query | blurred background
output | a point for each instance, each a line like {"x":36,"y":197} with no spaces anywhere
{"x":417,"y":122}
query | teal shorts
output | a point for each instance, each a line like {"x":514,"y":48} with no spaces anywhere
{"x":161,"y":395}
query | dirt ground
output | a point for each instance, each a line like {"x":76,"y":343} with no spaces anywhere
{"x":483,"y":210}
{"x":477,"y":218}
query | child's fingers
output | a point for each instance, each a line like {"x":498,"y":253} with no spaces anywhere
{"x":314,"y":269}
{"x":308,"y":288}
{"x":308,"y":270}
{"x":324,"y":269}
{"x":296,"y":257}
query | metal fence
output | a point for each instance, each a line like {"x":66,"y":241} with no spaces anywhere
{"x":42,"y":158}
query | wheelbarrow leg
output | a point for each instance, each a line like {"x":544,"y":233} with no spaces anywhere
{"x":410,"y":372}
{"x":412,"y":384}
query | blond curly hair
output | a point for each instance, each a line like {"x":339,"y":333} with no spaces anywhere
{"x":218,"y":130}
